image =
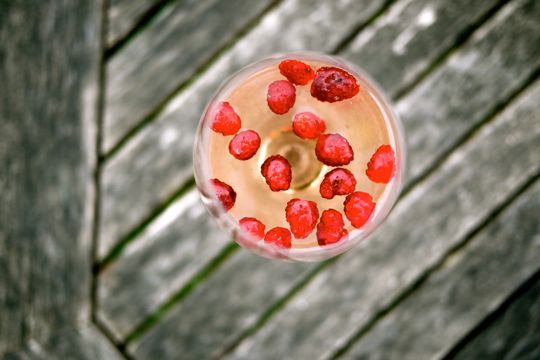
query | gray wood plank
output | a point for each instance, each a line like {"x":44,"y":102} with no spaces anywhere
{"x":123,"y":15}
{"x":209,"y":321}
{"x":405,"y":42}
{"x":49,"y":71}
{"x":285,"y":281}
{"x":182,"y":315}
{"x":159,"y":159}
{"x":429,"y":221}
{"x":165,"y":54}
{"x":167,"y":255}
{"x":466,"y":287}
{"x":515,"y":334}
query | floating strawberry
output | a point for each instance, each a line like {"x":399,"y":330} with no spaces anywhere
{"x":281,"y":96}
{"x":333,"y":84}
{"x":225,"y":193}
{"x":359,"y":207}
{"x":331,"y":228}
{"x":337,"y":182}
{"x":226,"y":121}
{"x":307,"y":125}
{"x":334,"y":150}
{"x":244,"y":144}
{"x":253,"y":227}
{"x":381,"y":167}
{"x":278,"y":237}
{"x":297,"y":72}
{"x":277,"y":173}
{"x":302,"y":216}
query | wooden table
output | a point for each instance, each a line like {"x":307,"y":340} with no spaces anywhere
{"x":106,"y":251}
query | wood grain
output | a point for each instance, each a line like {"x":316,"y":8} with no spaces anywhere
{"x":428,"y":222}
{"x":464,"y":290}
{"x":159,"y":159}
{"x":167,"y":53}
{"x":169,"y":252}
{"x":287,"y":281}
{"x":123,"y":15}
{"x":49,"y":71}
{"x":515,"y":334}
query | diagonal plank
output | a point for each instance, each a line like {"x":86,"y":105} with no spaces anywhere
{"x":235,"y":317}
{"x":466,"y":287}
{"x":429,"y":221}
{"x":166,"y":54}
{"x":168,"y":253}
{"x":186,"y":314}
{"x":49,"y":66}
{"x":123,"y":15}
{"x":515,"y":334}
{"x":159,"y":159}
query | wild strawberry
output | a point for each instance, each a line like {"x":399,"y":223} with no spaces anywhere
{"x":281,"y":96}
{"x":225,"y":193}
{"x":331,"y":228}
{"x":302,"y":216}
{"x":381,"y":167}
{"x":358,"y":208}
{"x":253,"y":227}
{"x":297,"y":72}
{"x":307,"y":125}
{"x":278,"y":237}
{"x":226,"y":121}
{"x":333,"y":84}
{"x":244,"y":144}
{"x":337,"y":182}
{"x":277,"y":173}
{"x":333,"y":150}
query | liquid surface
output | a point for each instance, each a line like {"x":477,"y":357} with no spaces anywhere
{"x":359,"y":119}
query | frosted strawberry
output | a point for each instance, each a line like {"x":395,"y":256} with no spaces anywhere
{"x":381,"y":167}
{"x":277,"y":173}
{"x":226,"y":121}
{"x":253,"y":227}
{"x":281,"y":96}
{"x":244,"y":144}
{"x":225,"y":193}
{"x":359,"y":207}
{"x":302,"y":216}
{"x":337,"y":182}
{"x":307,"y":125}
{"x":332,"y":84}
{"x":331,"y":229}
{"x":278,"y":237}
{"x":297,"y":72}
{"x":333,"y":150}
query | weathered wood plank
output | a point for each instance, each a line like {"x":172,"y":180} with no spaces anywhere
{"x":194,"y":338}
{"x":123,"y":15}
{"x":429,"y":221}
{"x":49,"y":72}
{"x":167,"y":53}
{"x":405,"y":42}
{"x":182,"y":315}
{"x":515,"y":334}
{"x":464,"y":290}
{"x":169,"y":252}
{"x":236,"y":317}
{"x":159,"y":159}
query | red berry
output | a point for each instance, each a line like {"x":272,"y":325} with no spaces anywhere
{"x":278,"y":237}
{"x":358,"y":208}
{"x":307,"y":125}
{"x":334,"y":150}
{"x":253,"y":227}
{"x":333,"y":84}
{"x":225,"y":193}
{"x":244,"y":144}
{"x":277,"y":173}
{"x":337,"y":182}
{"x":226,"y":121}
{"x":297,"y":72}
{"x":281,"y":96}
{"x":381,"y":167}
{"x":331,"y":228}
{"x":302,"y":216}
